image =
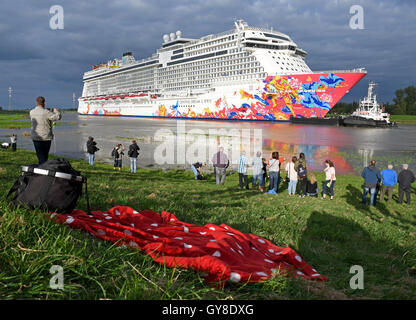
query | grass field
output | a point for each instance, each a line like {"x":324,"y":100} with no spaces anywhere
{"x":332,"y":236}
{"x":405,"y":119}
{"x":8,"y":119}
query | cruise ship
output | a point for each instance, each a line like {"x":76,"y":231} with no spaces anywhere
{"x":246,"y":73}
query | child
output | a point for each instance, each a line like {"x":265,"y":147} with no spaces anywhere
{"x":311,"y":186}
{"x":117,"y":154}
{"x":264,"y":171}
{"x":13,"y":140}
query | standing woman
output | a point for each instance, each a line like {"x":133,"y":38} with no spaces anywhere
{"x":274,"y":171}
{"x":292,"y":175}
{"x":133,"y":153}
{"x":330,"y":179}
{"x":42,"y":134}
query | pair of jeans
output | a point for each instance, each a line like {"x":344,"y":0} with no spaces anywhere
{"x":292,"y":186}
{"x":220,"y":175}
{"x":261,"y":180}
{"x":372,"y":191}
{"x":331,"y":187}
{"x":91,"y":158}
{"x":195,"y":172}
{"x":42,"y":150}
{"x":241,"y":177}
{"x":133,"y":164}
{"x":274,"y":178}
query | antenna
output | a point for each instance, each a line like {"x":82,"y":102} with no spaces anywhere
{"x":10,"y":98}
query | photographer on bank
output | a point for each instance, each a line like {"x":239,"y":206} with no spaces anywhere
{"x":42,"y":134}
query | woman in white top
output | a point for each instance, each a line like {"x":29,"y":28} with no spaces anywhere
{"x":292,"y":175}
{"x":274,"y":170}
{"x":330,"y":179}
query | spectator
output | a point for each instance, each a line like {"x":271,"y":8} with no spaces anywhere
{"x":242,"y":170}
{"x":13,"y":141}
{"x":371,"y":177}
{"x":42,"y":134}
{"x":91,"y":149}
{"x":197,"y":168}
{"x":389,"y":180}
{"x":300,"y":167}
{"x":221,"y":163}
{"x":405,"y":179}
{"x":292,"y":176}
{"x":312,"y":185}
{"x":258,"y":173}
{"x":330,"y":179}
{"x":264,"y":171}
{"x":133,"y":153}
{"x":274,"y":171}
{"x":117,"y":154}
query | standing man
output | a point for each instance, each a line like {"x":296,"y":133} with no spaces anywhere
{"x":133,"y":153}
{"x":389,"y":180}
{"x":42,"y":134}
{"x":242,"y":170}
{"x":221,"y":163}
{"x":91,"y":149}
{"x":405,"y":179}
{"x":371,"y":177}
{"x":257,"y":164}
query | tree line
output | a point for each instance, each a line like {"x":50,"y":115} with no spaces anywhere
{"x":404,"y":102}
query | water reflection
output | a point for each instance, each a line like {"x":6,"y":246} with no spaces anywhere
{"x":349,"y":148}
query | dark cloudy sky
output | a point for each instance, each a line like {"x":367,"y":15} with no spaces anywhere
{"x":36,"y":60}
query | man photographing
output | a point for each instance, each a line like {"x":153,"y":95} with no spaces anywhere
{"x":42,"y":134}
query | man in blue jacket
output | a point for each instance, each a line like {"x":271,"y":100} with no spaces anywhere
{"x":389,"y":180}
{"x":371,"y":177}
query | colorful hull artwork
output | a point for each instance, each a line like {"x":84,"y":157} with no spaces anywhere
{"x":275,"y":99}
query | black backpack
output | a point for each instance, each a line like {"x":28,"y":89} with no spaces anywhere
{"x":54,"y":186}
{"x":301,"y":171}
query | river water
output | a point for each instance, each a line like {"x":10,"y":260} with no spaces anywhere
{"x":168,"y":143}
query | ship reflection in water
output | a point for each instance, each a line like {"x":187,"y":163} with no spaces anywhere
{"x":349,"y":148}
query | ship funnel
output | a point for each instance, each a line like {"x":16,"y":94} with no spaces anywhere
{"x":178,"y":34}
{"x":172,"y":36}
{"x":165,"y":38}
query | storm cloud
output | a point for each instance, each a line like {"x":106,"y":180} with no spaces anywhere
{"x":36,"y":60}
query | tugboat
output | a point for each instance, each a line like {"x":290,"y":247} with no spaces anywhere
{"x":369,"y":113}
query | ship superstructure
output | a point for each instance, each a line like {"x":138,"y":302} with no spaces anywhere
{"x":246,"y":73}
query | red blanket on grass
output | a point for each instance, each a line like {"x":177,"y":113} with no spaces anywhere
{"x":220,"y":252}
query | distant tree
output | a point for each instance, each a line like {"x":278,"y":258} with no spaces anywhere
{"x":405,"y":101}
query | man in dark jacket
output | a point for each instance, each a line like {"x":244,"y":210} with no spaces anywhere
{"x":371,"y":177}
{"x":91,"y":149}
{"x":405,"y":179}
{"x":133,"y":153}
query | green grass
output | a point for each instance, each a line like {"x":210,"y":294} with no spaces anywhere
{"x":405,"y":119}
{"x":8,"y":120}
{"x":330,"y":235}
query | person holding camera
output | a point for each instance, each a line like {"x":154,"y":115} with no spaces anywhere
{"x":91,"y":149}
{"x":42,"y":135}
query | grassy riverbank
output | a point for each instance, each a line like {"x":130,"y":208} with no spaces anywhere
{"x":330,"y":235}
{"x":8,"y":119}
{"x":404,"y":119}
